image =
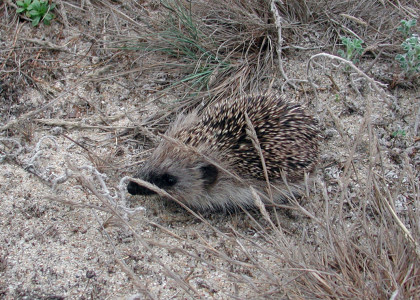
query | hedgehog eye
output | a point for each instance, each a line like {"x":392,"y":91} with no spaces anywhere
{"x":209,"y":174}
{"x":168,"y":180}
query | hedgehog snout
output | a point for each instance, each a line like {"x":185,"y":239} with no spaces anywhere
{"x":135,"y":189}
{"x":163,"y":181}
{"x":208,"y":173}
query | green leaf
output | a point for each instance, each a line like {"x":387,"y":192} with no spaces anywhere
{"x":19,"y":3}
{"x":34,"y":13}
{"x":399,"y":57}
{"x":398,"y":133}
{"x":48,"y":17}
{"x":35,"y":21}
{"x":19,"y":10}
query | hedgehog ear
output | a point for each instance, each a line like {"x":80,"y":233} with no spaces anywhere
{"x":209,"y":174}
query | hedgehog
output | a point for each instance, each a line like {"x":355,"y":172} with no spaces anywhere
{"x":209,"y":160}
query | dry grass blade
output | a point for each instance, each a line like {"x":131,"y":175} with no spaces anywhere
{"x":391,"y":210}
{"x":253,"y":136}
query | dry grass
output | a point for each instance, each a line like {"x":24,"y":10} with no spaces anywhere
{"x":218,"y":52}
{"x":228,"y":49}
{"x":356,"y":245}
{"x":355,"y":235}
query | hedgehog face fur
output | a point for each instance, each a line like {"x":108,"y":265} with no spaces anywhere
{"x":191,"y":163}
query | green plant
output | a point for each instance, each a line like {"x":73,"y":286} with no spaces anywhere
{"x":406,"y":26}
{"x":181,"y":38}
{"x":23,"y":6}
{"x":212,"y":48}
{"x":337,"y":98}
{"x":37,"y":10}
{"x":399,"y":132}
{"x":410,"y":60}
{"x":354,"y":49}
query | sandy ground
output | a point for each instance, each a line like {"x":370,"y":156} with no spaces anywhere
{"x":55,"y":243}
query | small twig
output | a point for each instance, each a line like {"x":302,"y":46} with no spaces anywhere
{"x":416,"y":124}
{"x":46,"y":44}
{"x":277,"y":21}
{"x":367,"y":70}
{"x":9,"y":2}
{"x":78,"y":125}
{"x":250,"y":130}
{"x":123,"y":15}
{"x":375,"y":84}
{"x":260,"y":205}
{"x":138,"y":283}
{"x":63,"y":14}
{"x":344,"y":28}
{"x":354,"y":19}
{"x":400,"y":224}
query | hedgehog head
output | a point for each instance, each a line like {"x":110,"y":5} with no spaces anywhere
{"x":181,"y":170}
{"x":177,"y":170}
